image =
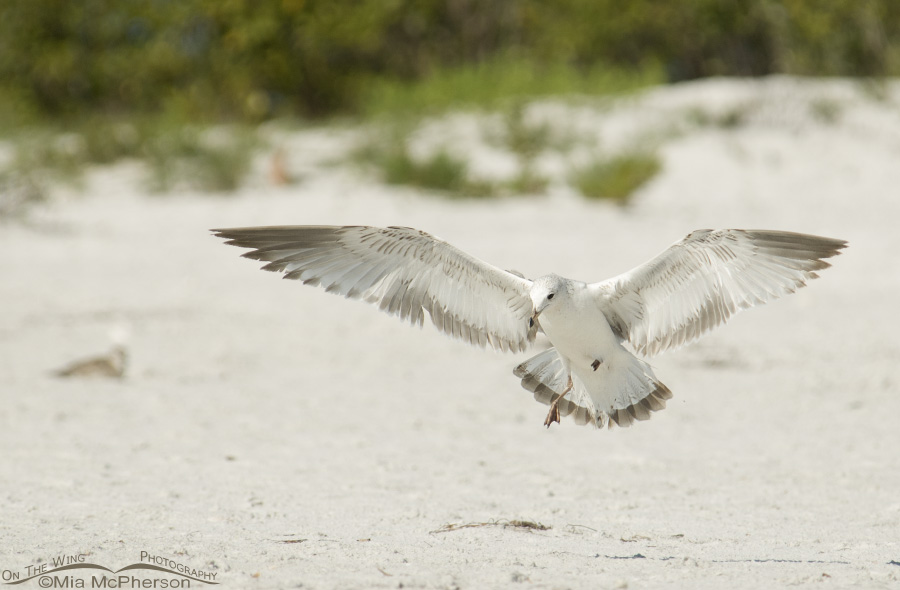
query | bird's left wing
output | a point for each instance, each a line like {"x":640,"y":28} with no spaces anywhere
{"x":701,"y":281}
{"x":405,"y":272}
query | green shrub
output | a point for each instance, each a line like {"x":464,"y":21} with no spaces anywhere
{"x":826,"y":110}
{"x":616,"y":178}
{"x":440,"y":171}
{"x":527,"y":182}
{"x":498,"y":82}
{"x":214,"y":159}
{"x":189,"y":156}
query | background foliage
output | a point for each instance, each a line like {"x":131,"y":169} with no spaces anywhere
{"x":214,"y":60}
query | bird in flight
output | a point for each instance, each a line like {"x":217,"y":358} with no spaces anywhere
{"x":591,"y":371}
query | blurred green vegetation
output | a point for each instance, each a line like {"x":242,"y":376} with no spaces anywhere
{"x":93,"y":81}
{"x":213,"y":60}
{"x":616,"y":178}
{"x":499,"y":81}
{"x":177,"y":153}
{"x":440,"y":172}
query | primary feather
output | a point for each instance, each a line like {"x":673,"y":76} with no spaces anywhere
{"x":704,"y":279}
{"x":405,"y":272}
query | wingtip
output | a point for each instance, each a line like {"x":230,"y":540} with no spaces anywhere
{"x":222,"y":233}
{"x":836,"y":244}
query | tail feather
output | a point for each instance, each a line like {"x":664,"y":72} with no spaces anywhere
{"x":625,"y":390}
{"x":546,"y":376}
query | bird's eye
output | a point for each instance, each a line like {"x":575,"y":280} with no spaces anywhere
{"x":550,"y":296}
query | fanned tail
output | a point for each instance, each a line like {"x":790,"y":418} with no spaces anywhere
{"x":621,"y":391}
{"x":546,"y":376}
{"x":629,"y":390}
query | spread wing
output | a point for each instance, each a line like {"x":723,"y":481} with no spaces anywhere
{"x":701,"y":281}
{"x":405,"y":272}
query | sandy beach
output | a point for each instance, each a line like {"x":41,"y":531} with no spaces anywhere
{"x":282,"y":437}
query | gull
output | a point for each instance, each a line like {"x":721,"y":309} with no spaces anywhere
{"x":112,"y":365}
{"x":592,"y":371}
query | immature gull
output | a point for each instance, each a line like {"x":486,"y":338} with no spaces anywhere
{"x":589,"y":372}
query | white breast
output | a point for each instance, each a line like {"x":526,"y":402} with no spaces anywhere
{"x":579,"y":330}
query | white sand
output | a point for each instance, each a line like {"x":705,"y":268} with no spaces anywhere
{"x":257,"y":412}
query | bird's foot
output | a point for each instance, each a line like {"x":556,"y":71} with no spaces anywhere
{"x":553,"y":414}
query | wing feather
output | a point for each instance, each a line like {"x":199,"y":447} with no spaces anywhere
{"x":701,"y":281}
{"x":403,"y":271}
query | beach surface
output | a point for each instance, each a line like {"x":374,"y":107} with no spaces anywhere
{"x":281,"y":437}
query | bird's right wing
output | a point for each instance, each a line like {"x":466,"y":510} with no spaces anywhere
{"x":405,"y":272}
{"x":701,"y":281}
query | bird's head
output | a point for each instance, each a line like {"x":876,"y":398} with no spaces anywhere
{"x":547,"y":291}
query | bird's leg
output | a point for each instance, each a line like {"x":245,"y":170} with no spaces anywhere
{"x":553,"y":414}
